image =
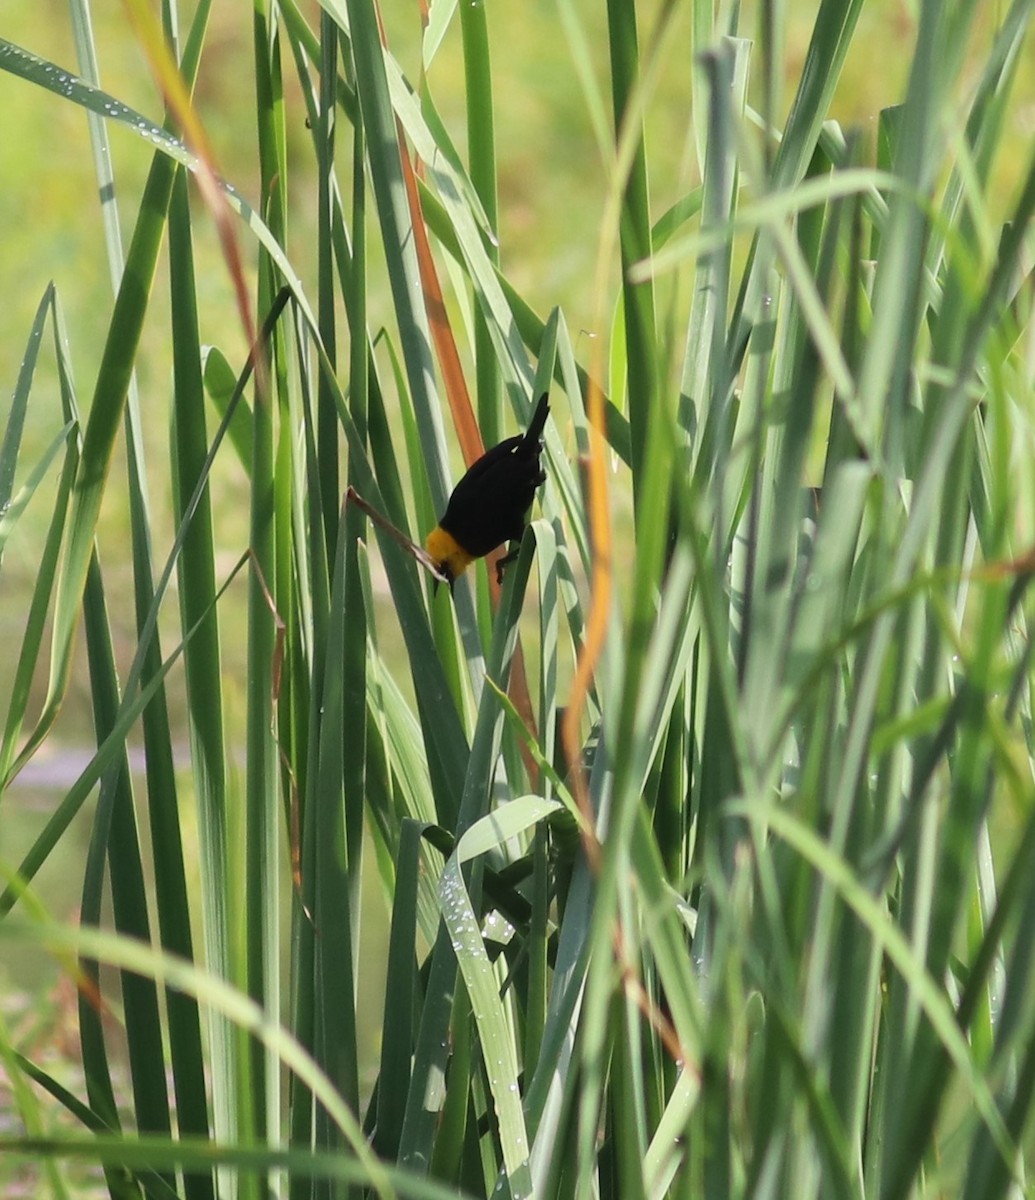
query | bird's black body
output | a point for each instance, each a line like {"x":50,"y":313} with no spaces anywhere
{"x":490,"y":504}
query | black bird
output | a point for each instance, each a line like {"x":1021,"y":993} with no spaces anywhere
{"x":490,"y":504}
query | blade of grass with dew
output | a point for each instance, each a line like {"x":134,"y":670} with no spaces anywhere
{"x":422,"y":1106}
{"x":48,"y":75}
{"x":110,"y":391}
{"x":170,"y":882}
{"x":499,"y":1052}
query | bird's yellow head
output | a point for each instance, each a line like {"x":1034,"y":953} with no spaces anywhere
{"x":447,"y":553}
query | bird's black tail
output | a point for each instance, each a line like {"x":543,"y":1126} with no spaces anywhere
{"x":535,"y":429}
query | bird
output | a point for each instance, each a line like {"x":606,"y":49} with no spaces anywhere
{"x":490,"y":504}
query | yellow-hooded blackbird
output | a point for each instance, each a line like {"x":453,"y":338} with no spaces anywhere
{"x":490,"y":504}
